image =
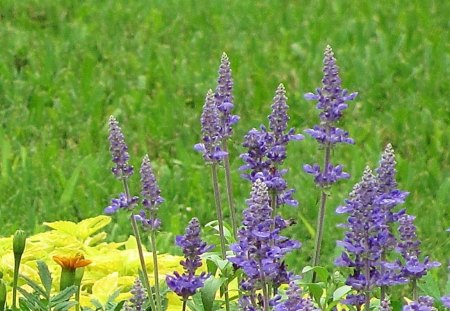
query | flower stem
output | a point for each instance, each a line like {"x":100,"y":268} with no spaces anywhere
{"x":155,"y":269}
{"x":226,"y":162}
{"x":15,"y":280}
{"x":183,"y":308}
{"x":414,"y":289}
{"x":215,"y":182}
{"x":321,"y":217}
{"x":140,"y":251}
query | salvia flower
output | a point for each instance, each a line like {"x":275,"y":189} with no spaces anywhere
{"x":119,"y":150}
{"x":385,"y":305}
{"x":363,"y":239}
{"x":294,"y":301}
{"x":122,"y":202}
{"x":186,"y":285}
{"x":224,"y":98}
{"x":409,"y":248}
{"x":151,"y":197}
{"x":331,"y":100}
{"x":423,"y":303}
{"x":138,"y":293}
{"x":212,"y":137}
{"x":446,"y":301}
{"x":266,"y":150}
{"x":260,"y":248}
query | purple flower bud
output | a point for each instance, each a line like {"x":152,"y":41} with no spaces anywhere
{"x":119,"y":150}
{"x":211,"y":131}
{"x":224,"y":98}
{"x":186,"y":285}
{"x":122,"y":202}
{"x":139,"y":296}
{"x":295,"y":301}
{"x":151,"y":197}
{"x":423,"y":303}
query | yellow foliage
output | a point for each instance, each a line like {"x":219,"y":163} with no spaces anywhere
{"x":114,"y":265}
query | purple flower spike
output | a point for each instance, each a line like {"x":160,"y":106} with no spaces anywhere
{"x":331,"y":97}
{"x":331,"y":100}
{"x":151,"y":197}
{"x":324,"y":179}
{"x":122,"y":202}
{"x":446,"y":301}
{"x":211,"y":131}
{"x":186,"y":285}
{"x":119,"y":150}
{"x":138,"y":298}
{"x":224,"y":97}
{"x":260,"y":249}
{"x":409,"y":248}
{"x":294,"y":301}
{"x":424,"y":303}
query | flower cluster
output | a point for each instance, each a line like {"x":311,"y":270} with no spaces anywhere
{"x":260,"y":249}
{"x":224,"y":98}
{"x":138,"y":298}
{"x":331,"y":100}
{"x":409,"y":248}
{"x":119,"y":150}
{"x":424,"y":303}
{"x":266,"y":150}
{"x":294,"y":301}
{"x":363,"y":238}
{"x":122,"y":202}
{"x":151,"y":197}
{"x":186,"y":284}
{"x":216,"y":119}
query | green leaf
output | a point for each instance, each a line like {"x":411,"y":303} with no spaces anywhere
{"x":38,"y":289}
{"x":196,"y":303}
{"x":430,"y":286}
{"x":45,"y":276}
{"x":63,"y":295}
{"x":208,"y":292}
{"x":321,"y":272}
{"x":340,"y":292}
{"x":33,"y":300}
{"x":65,"y":305}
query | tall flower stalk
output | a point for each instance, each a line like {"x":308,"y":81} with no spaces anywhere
{"x":151,"y":199}
{"x":224,"y":102}
{"x":260,"y":250}
{"x":331,"y":100}
{"x":123,"y":170}
{"x":213,"y":154}
{"x":186,"y":284}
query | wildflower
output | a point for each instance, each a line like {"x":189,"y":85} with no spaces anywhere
{"x":424,"y":303}
{"x":331,"y":100}
{"x":119,"y":150}
{"x":362,"y":242}
{"x":267,"y":151}
{"x":186,"y":285}
{"x":211,"y":131}
{"x":294,"y":301}
{"x":122,"y":202}
{"x":151,"y":197}
{"x":385,"y":305}
{"x":446,"y":301}
{"x":224,"y":98}
{"x":138,"y":298}
{"x":260,"y":249}
{"x":69,"y":266}
{"x":409,"y":248}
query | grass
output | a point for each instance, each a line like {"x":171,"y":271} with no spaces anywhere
{"x":65,"y":66}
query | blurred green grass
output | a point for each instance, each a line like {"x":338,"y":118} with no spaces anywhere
{"x":65,"y":66}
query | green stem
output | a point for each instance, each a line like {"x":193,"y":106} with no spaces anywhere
{"x":155,"y":269}
{"x":142,"y":261}
{"x":183,"y":308}
{"x":264,"y":288}
{"x":226,"y":162}
{"x":17,"y":259}
{"x":215,"y":182}
{"x":140,"y":251}
{"x":414,"y":289}
{"x":321,"y":217}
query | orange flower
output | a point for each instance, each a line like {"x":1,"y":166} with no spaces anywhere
{"x":72,"y":263}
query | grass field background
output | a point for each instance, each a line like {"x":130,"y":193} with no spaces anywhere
{"x":66,"y":66}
